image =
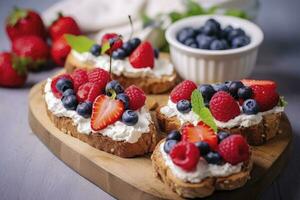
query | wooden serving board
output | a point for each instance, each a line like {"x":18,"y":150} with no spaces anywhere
{"x":133,"y":178}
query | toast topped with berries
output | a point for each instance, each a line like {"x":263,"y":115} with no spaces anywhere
{"x":196,"y":161}
{"x":132,"y":63}
{"x":99,"y":111}
{"x":252,"y":108}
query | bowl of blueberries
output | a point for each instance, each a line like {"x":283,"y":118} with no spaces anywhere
{"x":214,"y":48}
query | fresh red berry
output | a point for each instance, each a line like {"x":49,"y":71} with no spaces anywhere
{"x":106,"y":111}
{"x":264,"y":83}
{"x":33,"y":49}
{"x":183,"y":91}
{"x":142,"y":56}
{"x":88,"y":92}
{"x":223,"y":106}
{"x":114,"y":40}
{"x":60,"y":50}
{"x":55,"y":91}
{"x":63,"y":25}
{"x":234,"y":149}
{"x":100,"y":76}
{"x":79,"y":77}
{"x":23,"y":22}
{"x":136,"y":96}
{"x":185,"y":155}
{"x":12,"y":73}
{"x":266,"y":97}
{"x":201,"y":132}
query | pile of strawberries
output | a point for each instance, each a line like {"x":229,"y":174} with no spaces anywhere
{"x":30,"y":48}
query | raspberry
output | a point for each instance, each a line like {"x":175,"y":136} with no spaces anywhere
{"x":234,"y":149}
{"x":183,"y":91}
{"x":266,"y":97}
{"x":185,"y":155}
{"x":88,"y":92}
{"x":136,"y":96}
{"x":55,"y":91}
{"x":223,"y":106}
{"x":99,"y":76}
{"x":79,"y":77}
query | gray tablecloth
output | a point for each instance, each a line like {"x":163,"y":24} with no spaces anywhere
{"x":28,"y":170}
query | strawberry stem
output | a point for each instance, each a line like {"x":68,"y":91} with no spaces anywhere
{"x":131,"y":26}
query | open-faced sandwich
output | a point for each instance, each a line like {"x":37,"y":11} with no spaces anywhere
{"x":133,"y":62}
{"x":99,"y":111}
{"x":252,"y":108}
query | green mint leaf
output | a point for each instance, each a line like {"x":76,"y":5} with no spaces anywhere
{"x":80,"y":43}
{"x":203,"y":113}
{"x":105,"y":47}
{"x":282,"y":102}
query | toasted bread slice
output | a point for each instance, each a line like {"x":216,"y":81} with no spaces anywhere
{"x":198,"y":190}
{"x":150,"y":85}
{"x":257,"y":134}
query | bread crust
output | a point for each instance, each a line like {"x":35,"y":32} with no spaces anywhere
{"x":198,"y":190}
{"x":257,"y":134}
{"x":150,"y":85}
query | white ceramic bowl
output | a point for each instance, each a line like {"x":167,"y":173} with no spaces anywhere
{"x":209,"y":66}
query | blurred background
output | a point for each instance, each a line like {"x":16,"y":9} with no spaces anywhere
{"x":28,"y":170}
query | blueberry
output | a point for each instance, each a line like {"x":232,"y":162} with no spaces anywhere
{"x":204,"y":41}
{"x":128,"y":48}
{"x":85,"y":109}
{"x":64,"y":84}
{"x":245,"y":93}
{"x":218,"y":45}
{"x":203,"y":147}
{"x":174,"y":135}
{"x":213,"y":158}
{"x":68,"y":92}
{"x":119,"y":54}
{"x":211,"y":27}
{"x":124,"y":98}
{"x":184,"y":106}
{"x":250,"y":107}
{"x":130,"y":117}
{"x":222,"y":135}
{"x":225,"y":31}
{"x":207,"y":91}
{"x":113,"y":85}
{"x":169,"y":144}
{"x":190,"y":42}
{"x":95,"y":50}
{"x":235,"y":33}
{"x":221,"y":87}
{"x":134,"y":42}
{"x":156,"y":53}
{"x":240,"y":41}
{"x":234,"y":86}
{"x":70,"y":102}
{"x":185,"y":33}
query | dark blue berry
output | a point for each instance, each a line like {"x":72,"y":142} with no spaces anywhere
{"x":64,"y":84}
{"x":174,"y":135}
{"x":211,"y":27}
{"x":156,"y":53}
{"x":184,"y":106}
{"x":250,"y":107}
{"x":95,"y":50}
{"x":190,"y":42}
{"x":235,"y":33}
{"x":134,"y":42}
{"x":119,"y":54}
{"x":245,"y":93}
{"x":203,"y":147}
{"x":221,"y":87}
{"x":85,"y":109}
{"x":225,"y":31}
{"x":204,"y":41}
{"x":130,"y":117}
{"x":113,"y":85}
{"x":207,"y":91}
{"x":240,"y":41}
{"x":70,"y":102}
{"x":213,"y":158}
{"x":185,"y":33}
{"x":234,"y":86}
{"x":169,"y":144}
{"x":68,"y":92}
{"x":222,"y":135}
{"x":218,"y":45}
{"x":124,"y":98}
{"x":127,"y":47}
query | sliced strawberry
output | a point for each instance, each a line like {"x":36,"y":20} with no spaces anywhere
{"x":106,"y":111}
{"x":88,"y":92}
{"x":266,"y":97}
{"x":79,"y":77}
{"x":201,"y":132}
{"x":265,"y":83}
{"x":55,"y":91}
{"x":142,"y":56}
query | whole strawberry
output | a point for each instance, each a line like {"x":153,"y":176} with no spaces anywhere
{"x":63,"y":25}
{"x":23,"y":22}
{"x":183,"y":91}
{"x":114,"y":40}
{"x":60,"y":50}
{"x":266,"y":97}
{"x":32,"y":49}
{"x":142,"y":56}
{"x":12,"y":72}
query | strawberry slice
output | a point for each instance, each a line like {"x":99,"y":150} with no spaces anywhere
{"x":201,"y":132}
{"x":142,"y":56}
{"x":106,"y":111}
{"x":265,"y":83}
{"x":266,"y":97}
